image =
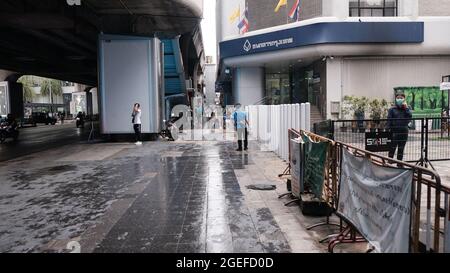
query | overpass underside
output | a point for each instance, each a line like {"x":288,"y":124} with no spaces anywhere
{"x":53,"y":39}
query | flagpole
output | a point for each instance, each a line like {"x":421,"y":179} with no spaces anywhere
{"x":239,"y":21}
{"x":287,"y":12}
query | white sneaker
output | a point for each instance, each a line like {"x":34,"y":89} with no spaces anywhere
{"x":138,"y":143}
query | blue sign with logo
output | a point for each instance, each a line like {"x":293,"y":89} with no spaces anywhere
{"x":325,"y":33}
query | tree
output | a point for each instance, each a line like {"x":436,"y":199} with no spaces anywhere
{"x":51,"y":87}
{"x":411,"y":98}
{"x":28,"y":91}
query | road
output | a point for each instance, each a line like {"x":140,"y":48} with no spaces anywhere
{"x":42,"y":137}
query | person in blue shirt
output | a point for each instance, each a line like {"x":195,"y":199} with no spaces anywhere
{"x":399,"y":118}
{"x":240,"y":124}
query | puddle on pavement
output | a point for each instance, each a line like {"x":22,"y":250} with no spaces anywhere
{"x":59,"y":169}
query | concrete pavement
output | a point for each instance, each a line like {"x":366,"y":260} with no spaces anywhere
{"x":41,"y":138}
{"x":184,"y":196}
{"x":161,"y":197}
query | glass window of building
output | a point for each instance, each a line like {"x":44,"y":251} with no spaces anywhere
{"x":278,"y":89}
{"x":373,"y":8}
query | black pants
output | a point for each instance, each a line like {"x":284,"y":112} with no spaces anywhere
{"x":137,"y":132}
{"x":242,"y":135}
{"x":399,"y":140}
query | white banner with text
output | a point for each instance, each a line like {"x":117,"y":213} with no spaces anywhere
{"x":377,"y":201}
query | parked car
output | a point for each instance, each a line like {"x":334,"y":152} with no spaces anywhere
{"x":43,"y":118}
{"x":27,"y":121}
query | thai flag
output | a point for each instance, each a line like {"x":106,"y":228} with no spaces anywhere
{"x":243,"y":24}
{"x":295,"y":11}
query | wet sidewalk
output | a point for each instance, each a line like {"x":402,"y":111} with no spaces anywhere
{"x":188,"y":197}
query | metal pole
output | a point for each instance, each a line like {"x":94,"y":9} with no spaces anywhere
{"x":51,"y":99}
{"x":422,"y":142}
{"x":426,"y":140}
{"x":332,"y":129}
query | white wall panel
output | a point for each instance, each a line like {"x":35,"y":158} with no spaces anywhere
{"x":377,"y":77}
{"x":128,"y":75}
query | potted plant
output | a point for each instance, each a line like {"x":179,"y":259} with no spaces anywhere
{"x":378,"y":111}
{"x":347,"y":111}
{"x":360,"y":107}
{"x":375,"y":114}
{"x":355,"y":108}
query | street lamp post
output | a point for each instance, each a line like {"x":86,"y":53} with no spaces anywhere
{"x":51,"y":100}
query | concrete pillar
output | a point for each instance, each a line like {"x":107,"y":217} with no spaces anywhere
{"x":4,"y":74}
{"x":333,"y":8}
{"x":334,"y":84}
{"x":248,"y":85}
{"x":408,"y":8}
{"x":15,"y":92}
{"x":89,"y":105}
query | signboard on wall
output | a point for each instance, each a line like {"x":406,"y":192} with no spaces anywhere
{"x":424,"y":101}
{"x":4,"y":99}
{"x":324,"y":33}
{"x":445,"y":86}
{"x":377,"y":201}
{"x":79,"y":100}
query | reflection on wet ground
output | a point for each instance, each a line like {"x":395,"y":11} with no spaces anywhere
{"x":195,"y":204}
{"x":162,"y":197}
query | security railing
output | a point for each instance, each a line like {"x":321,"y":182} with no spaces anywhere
{"x":430,"y":205}
{"x":424,"y":139}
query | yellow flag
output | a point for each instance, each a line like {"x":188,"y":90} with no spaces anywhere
{"x":236,"y":14}
{"x":280,"y":4}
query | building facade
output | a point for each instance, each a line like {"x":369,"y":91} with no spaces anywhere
{"x":331,"y":49}
{"x":68,"y":98}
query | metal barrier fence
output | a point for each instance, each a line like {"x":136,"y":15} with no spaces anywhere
{"x":423,"y":139}
{"x":430,"y":210}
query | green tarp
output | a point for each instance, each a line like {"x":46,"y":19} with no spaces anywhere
{"x":315,"y":160}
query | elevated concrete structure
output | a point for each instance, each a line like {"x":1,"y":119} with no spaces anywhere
{"x":53,"y":39}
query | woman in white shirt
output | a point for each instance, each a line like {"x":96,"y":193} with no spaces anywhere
{"x":137,"y":123}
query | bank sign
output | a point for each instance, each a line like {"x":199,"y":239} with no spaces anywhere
{"x":325,"y":33}
{"x":277,"y":43}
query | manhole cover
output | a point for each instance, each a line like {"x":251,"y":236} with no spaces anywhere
{"x":262,"y":187}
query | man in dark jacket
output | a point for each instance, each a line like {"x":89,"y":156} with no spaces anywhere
{"x":399,"y":118}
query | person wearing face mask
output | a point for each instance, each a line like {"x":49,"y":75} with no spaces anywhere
{"x":399,"y":117}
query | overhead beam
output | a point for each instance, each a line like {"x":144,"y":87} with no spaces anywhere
{"x":90,"y":46}
{"x":55,"y":41}
{"x":35,"y":21}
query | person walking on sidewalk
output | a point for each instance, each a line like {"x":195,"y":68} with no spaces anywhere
{"x":240,"y":124}
{"x":399,"y":117}
{"x":137,"y":125}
